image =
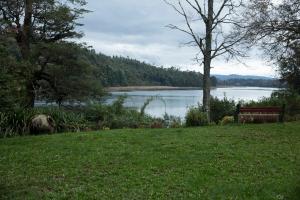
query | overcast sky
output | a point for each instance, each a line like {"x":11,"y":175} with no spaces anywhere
{"x":137,"y":29}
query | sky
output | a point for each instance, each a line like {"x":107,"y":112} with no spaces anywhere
{"x":137,"y":29}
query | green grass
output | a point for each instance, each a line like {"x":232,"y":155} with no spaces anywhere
{"x":230,"y":162}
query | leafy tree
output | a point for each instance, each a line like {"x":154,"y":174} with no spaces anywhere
{"x":32,"y":22}
{"x":11,"y":79}
{"x":289,"y":69}
{"x":69,"y":76}
{"x":276,"y":28}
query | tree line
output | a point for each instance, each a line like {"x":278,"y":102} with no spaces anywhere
{"x":275,"y":83}
{"x":121,"y":71}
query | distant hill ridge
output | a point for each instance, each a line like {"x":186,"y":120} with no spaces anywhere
{"x":236,"y":76}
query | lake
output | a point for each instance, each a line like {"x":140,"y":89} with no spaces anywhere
{"x":176,"y":102}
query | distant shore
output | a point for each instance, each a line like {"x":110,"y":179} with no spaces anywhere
{"x":149,"y":88}
{"x":130,"y":88}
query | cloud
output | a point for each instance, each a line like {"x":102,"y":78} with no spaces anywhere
{"x":137,"y":29}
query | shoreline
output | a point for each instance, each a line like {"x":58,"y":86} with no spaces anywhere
{"x":162,"y":88}
{"x":140,"y":88}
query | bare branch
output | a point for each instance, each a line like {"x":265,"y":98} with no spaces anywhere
{"x":220,"y":9}
{"x":198,"y":10}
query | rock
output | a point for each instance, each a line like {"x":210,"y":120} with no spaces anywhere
{"x":42,"y":124}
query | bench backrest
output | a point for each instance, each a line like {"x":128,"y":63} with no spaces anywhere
{"x":259,"y":112}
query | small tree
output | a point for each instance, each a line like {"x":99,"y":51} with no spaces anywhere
{"x":206,"y":22}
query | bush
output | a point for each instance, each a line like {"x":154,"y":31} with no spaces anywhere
{"x":221,"y":108}
{"x":172,"y":121}
{"x":66,"y":120}
{"x":227,"y":120}
{"x":195,"y":117}
{"x":129,"y":119}
{"x":157,"y":124}
{"x":116,"y":116}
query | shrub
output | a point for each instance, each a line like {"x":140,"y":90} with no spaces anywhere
{"x":157,"y":124}
{"x":195,"y":117}
{"x":130,"y":119}
{"x":172,"y":121}
{"x":66,"y":120}
{"x":116,"y":116}
{"x":221,"y":108}
{"x":97,"y":113}
{"x":227,"y":120}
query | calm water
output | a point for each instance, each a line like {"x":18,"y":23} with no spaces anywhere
{"x":176,"y":102}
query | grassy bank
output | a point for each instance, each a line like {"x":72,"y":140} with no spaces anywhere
{"x":231,"y":162}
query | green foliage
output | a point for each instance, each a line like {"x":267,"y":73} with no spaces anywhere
{"x":195,"y":117}
{"x":221,"y":108}
{"x":172,"y":121}
{"x":157,"y":124}
{"x":17,"y":122}
{"x":11,"y":75}
{"x":68,"y":75}
{"x":264,"y":26}
{"x":117,"y":106}
{"x":120,"y":71}
{"x":65,"y":120}
{"x":227,"y":120}
{"x":146,"y":103}
{"x":289,"y":69}
{"x":116,"y":116}
{"x":250,"y":82}
{"x":290,"y":99}
{"x":130,"y":119}
{"x":55,"y":65}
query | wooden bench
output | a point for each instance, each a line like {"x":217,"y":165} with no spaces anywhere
{"x":259,"y":114}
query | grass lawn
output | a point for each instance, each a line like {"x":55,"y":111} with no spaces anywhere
{"x":229,"y":162}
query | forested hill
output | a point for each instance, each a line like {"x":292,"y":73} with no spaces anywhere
{"x":120,"y":71}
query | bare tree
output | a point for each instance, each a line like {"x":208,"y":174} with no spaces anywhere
{"x":275,"y":27}
{"x":205,"y":23}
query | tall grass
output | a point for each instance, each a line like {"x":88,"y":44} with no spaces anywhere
{"x":90,"y":117}
{"x":18,"y":122}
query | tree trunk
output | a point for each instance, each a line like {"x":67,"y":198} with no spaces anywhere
{"x":25,"y":50}
{"x":207,"y":59}
{"x":26,"y":31}
{"x":30,"y":95}
{"x":206,"y":87}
